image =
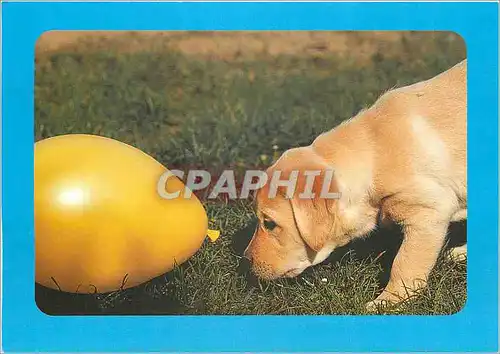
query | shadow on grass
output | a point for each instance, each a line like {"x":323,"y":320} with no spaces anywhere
{"x":139,"y":300}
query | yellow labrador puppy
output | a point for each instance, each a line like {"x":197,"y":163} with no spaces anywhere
{"x":402,"y":160}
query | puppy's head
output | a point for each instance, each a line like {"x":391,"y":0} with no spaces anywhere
{"x":298,"y":227}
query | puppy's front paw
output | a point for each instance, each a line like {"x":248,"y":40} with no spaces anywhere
{"x":376,"y":305}
{"x":383,"y":301}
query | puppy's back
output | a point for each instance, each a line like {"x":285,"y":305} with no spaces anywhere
{"x":421,"y":130}
{"x":414,"y":130}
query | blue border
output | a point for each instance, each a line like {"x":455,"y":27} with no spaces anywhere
{"x":26,"y":329}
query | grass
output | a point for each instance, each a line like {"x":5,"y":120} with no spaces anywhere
{"x":239,"y":114}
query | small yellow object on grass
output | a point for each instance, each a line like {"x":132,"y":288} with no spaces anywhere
{"x":213,"y":235}
{"x":100,"y":223}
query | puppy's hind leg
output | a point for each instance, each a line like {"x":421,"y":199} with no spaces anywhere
{"x":457,"y":254}
{"x":459,"y":215}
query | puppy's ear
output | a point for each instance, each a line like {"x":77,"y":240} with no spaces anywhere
{"x":314,"y":206}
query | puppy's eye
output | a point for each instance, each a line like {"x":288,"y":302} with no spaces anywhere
{"x":269,"y":224}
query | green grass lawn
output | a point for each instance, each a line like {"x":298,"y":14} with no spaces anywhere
{"x":239,"y":114}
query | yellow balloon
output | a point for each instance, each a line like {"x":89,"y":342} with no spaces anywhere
{"x":100,"y":223}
